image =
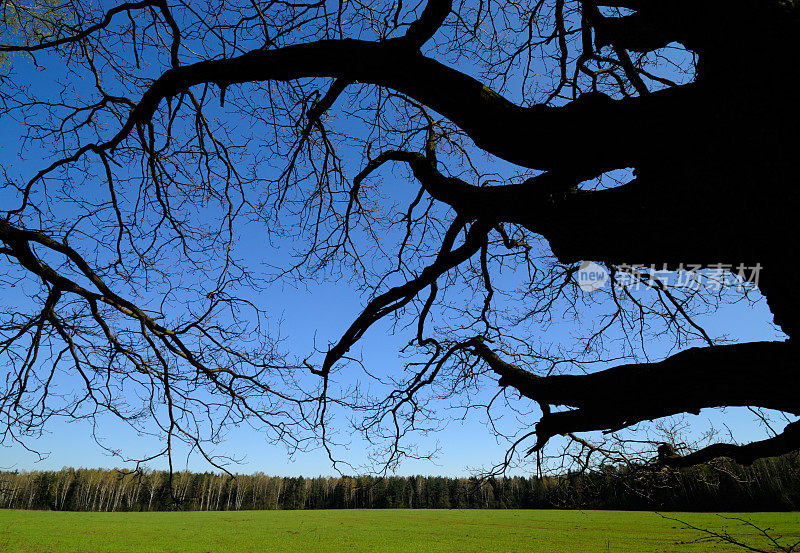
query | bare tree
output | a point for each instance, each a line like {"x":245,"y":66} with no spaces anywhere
{"x":525,"y":139}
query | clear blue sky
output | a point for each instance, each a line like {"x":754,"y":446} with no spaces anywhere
{"x":319,"y":312}
{"x":324,"y":309}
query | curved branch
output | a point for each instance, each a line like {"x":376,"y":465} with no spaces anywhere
{"x":530,"y":137}
{"x":762,"y":374}
{"x":746,"y":454}
{"x":433,"y":16}
{"x":109,"y":16}
{"x":397,"y":297}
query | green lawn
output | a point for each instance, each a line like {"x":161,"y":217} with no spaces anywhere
{"x":372,"y":531}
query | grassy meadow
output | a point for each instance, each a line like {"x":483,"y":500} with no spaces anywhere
{"x":374,"y":531}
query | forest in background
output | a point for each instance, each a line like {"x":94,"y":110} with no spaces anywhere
{"x":767,"y":485}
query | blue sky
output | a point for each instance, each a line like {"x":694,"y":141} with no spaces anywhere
{"x":463,"y":446}
{"x":317,"y":313}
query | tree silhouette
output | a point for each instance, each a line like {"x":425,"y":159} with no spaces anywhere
{"x":535,"y":136}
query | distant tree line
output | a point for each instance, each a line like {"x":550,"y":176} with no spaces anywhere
{"x":769,"y":484}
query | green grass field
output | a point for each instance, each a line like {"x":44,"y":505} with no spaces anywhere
{"x":373,"y":531}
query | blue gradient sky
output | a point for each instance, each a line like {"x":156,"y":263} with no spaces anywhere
{"x":319,"y":312}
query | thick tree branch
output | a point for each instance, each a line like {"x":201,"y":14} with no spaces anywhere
{"x":762,"y":374}
{"x":513,"y":202}
{"x":433,"y":16}
{"x":531,"y":137}
{"x":745,"y":454}
{"x":697,"y":24}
